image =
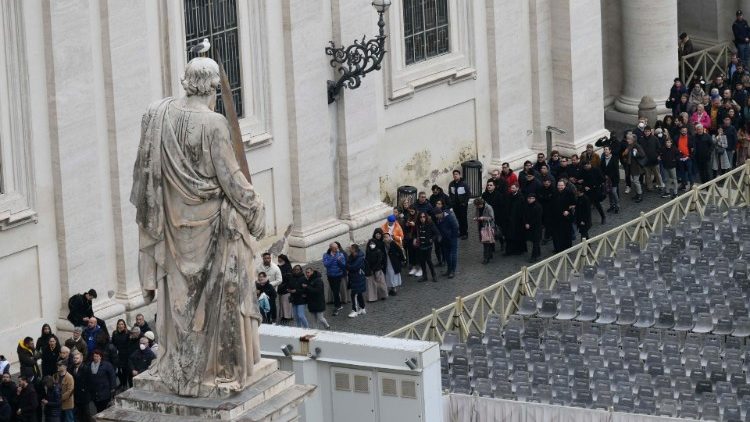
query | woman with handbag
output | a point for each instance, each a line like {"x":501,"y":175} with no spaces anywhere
{"x":426,"y":233}
{"x":485,"y":218}
{"x":720,"y":160}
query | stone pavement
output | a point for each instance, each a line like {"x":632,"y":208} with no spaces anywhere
{"x":416,"y":300}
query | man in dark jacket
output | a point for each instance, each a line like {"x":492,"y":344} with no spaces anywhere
{"x":102,"y":381}
{"x":532,"y":224}
{"x":544,"y":199}
{"x":316,"y":301}
{"x":6,"y":411}
{"x":669,"y":156}
{"x":592,"y":182}
{"x":448,"y":227}
{"x":459,"y":198}
{"x":27,"y":356}
{"x":9,"y":391}
{"x":610,"y":167}
{"x":27,"y":402}
{"x":731,"y":133}
{"x":678,"y":88}
{"x":583,"y":213}
{"x":422,"y":204}
{"x":703,"y":148}
{"x":634,"y":159}
{"x":741,"y":33}
{"x":439,"y":195}
{"x":541,"y":160}
{"x":80,"y":308}
{"x":561,"y":209}
{"x":651,"y":146}
{"x":140,"y":360}
{"x":262,"y":285}
{"x":515,"y":239}
{"x":528,"y":169}
{"x":81,"y":375}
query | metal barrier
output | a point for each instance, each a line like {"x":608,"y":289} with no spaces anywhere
{"x":709,"y":62}
{"x":469,"y":314}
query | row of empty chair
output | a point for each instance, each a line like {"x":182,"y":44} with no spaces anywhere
{"x":657,"y":330}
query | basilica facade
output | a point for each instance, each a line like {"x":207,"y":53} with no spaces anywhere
{"x":461,"y":79}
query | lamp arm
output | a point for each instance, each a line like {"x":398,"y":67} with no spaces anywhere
{"x":355,"y":61}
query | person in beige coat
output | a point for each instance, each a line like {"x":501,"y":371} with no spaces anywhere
{"x":67,"y":388}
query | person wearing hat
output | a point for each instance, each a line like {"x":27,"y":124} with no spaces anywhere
{"x":741,"y":33}
{"x":80,"y":308}
{"x":532,"y":225}
{"x":392,"y":227}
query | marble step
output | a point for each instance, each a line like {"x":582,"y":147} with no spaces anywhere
{"x":214,"y":408}
{"x":281,"y":407}
{"x":149,"y":382}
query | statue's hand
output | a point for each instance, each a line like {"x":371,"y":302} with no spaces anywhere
{"x":148,"y":296}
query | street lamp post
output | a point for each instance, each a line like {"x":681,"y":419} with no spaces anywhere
{"x":355,"y":61}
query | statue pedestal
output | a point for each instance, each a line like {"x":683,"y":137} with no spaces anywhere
{"x":271,"y":395}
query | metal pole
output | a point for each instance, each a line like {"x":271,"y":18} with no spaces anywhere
{"x":549,"y":143}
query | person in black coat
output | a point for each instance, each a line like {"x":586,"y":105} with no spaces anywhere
{"x":43,"y":340}
{"x":27,"y":401}
{"x":544,"y":199}
{"x":592,"y":182}
{"x":439,"y":195}
{"x":669,"y":156}
{"x":494,"y":197}
{"x":52,"y":400}
{"x":396,"y":259}
{"x":459,"y":194}
{"x":5,"y":410}
{"x":81,"y":376}
{"x":9,"y":391}
{"x":102,"y":381}
{"x":80,"y":307}
{"x":297,"y":296}
{"x":610,"y":166}
{"x":425,"y":236}
{"x":357,"y":284}
{"x":532,"y":224}
{"x":515,"y":239}
{"x":262,"y":285}
{"x":27,"y":356}
{"x":561,"y":207}
{"x":703,"y":148}
{"x":316,"y":301}
{"x":50,"y":356}
{"x":140,"y":360}
{"x":120,"y":340}
{"x":583,"y":213}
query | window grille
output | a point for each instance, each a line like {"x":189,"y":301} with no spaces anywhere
{"x":426,"y":30}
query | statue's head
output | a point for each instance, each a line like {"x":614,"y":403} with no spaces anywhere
{"x":201,"y":77}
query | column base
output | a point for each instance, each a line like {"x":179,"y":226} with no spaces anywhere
{"x":578,"y":144}
{"x":309,"y":244}
{"x":629,"y":106}
{"x":109,"y":310}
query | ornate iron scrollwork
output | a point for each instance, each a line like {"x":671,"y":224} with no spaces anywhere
{"x":355,"y":61}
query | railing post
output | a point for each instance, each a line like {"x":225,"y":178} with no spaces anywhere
{"x":695,"y":199}
{"x":523,"y":288}
{"x":456,"y":323}
{"x":434,"y":335}
{"x":642,"y":232}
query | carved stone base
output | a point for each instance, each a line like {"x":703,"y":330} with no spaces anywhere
{"x":272,"y":395}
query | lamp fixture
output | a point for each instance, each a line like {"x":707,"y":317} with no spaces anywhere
{"x":411,"y":363}
{"x":357,"y":60}
{"x":287,"y":350}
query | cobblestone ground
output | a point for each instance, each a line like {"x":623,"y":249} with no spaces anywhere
{"x":416,"y":300}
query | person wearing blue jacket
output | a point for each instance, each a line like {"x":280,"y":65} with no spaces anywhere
{"x":447,"y":224}
{"x":335,"y":262}
{"x":355,"y":266}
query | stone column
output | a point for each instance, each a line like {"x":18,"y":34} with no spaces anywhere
{"x":356,"y":132}
{"x":510,"y":81}
{"x":649,"y":51}
{"x":80,"y":106}
{"x":578,"y":74}
{"x":311,"y":153}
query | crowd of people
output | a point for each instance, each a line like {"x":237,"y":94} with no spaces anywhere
{"x":72,"y":380}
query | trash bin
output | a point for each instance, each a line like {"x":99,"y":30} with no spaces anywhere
{"x":472,"y":174}
{"x":406,"y":192}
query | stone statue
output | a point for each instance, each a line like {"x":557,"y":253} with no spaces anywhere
{"x":197,"y":216}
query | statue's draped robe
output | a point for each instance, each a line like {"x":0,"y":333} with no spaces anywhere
{"x":197,"y":214}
